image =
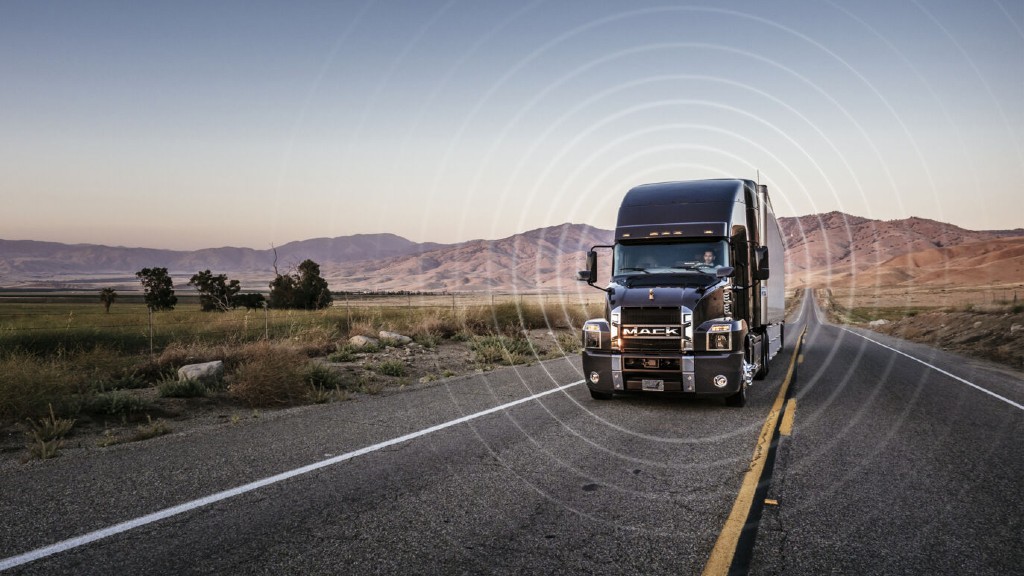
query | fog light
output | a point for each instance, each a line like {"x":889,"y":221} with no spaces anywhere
{"x":595,"y":377}
{"x":721,"y":381}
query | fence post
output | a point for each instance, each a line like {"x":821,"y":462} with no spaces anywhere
{"x":266,"y":322}
{"x":150,"y":331}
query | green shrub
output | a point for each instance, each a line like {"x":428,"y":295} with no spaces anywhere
{"x":344,"y":354}
{"x":174,"y":388}
{"x":44,"y":449}
{"x":391,"y":368}
{"x":569,"y":342}
{"x":320,"y":376}
{"x":427,"y":339}
{"x":46,"y":435}
{"x":49,"y":428}
{"x":496,"y":349}
{"x":151,"y":429}
{"x":321,"y":395}
{"x":116,"y":403}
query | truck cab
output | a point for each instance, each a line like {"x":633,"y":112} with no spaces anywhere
{"x":696,"y":300}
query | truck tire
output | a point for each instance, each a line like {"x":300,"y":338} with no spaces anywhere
{"x":762,"y":371}
{"x":739,"y":399}
{"x":600,"y":395}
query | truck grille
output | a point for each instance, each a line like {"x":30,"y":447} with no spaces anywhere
{"x":638,"y":316}
{"x":655,"y":321}
{"x":645,"y":345}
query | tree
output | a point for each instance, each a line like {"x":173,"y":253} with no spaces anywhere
{"x":250,"y":301}
{"x":215,"y":292}
{"x":107,"y":296}
{"x":305,"y":289}
{"x":158,"y":288}
{"x":313,"y":289}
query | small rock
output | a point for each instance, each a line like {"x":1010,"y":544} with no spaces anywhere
{"x":359,"y":342}
{"x":394,"y":337}
{"x":205,"y":372}
{"x":978,"y":324}
{"x":1015,"y":327}
{"x":881,"y":322}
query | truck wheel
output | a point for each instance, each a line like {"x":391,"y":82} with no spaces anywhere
{"x":739,"y":399}
{"x":762,"y":372}
{"x":600,"y":395}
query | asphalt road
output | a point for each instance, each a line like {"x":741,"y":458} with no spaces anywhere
{"x":895,"y":467}
{"x":889,"y":469}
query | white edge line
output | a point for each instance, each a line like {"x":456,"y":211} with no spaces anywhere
{"x":936,"y":368}
{"x":84,"y":539}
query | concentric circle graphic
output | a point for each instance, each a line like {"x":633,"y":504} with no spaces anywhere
{"x":547,"y":116}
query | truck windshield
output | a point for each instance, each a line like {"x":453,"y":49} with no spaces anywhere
{"x":702,"y":257}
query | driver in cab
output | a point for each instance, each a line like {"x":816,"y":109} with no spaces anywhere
{"x":708,"y":261}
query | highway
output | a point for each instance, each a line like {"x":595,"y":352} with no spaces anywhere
{"x":884,"y":465}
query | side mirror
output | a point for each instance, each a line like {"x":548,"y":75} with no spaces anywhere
{"x":725,"y":272}
{"x":761,"y":267}
{"x":590,"y":274}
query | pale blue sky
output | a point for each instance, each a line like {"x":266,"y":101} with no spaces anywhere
{"x":201,"y":124}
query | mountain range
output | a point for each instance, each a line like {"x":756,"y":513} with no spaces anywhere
{"x":832,"y":248}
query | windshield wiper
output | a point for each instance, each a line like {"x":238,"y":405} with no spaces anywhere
{"x":644,"y":270}
{"x":698,"y":268}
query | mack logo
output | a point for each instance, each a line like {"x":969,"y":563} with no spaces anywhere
{"x":651,"y":331}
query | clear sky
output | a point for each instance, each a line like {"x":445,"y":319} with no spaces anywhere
{"x":204,"y":124}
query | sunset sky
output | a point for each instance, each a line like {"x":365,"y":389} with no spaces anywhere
{"x":203,"y":124}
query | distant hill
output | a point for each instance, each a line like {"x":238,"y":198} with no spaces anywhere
{"x":541,"y":259}
{"x":840,"y":248}
{"x":46,"y":264}
{"x":832,"y":248}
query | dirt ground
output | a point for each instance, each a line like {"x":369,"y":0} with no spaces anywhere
{"x":998,"y":337}
{"x":991,"y":331}
{"x":422,"y":367}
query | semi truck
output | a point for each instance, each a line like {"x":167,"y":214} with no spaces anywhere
{"x":696,"y":300}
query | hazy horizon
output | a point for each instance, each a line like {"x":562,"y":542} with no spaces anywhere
{"x":194,"y":125}
{"x":428,"y":241}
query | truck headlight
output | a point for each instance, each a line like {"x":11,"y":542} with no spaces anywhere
{"x":595,"y":333}
{"x":719,"y":337}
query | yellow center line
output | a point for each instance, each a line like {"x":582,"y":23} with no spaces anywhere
{"x":786,"y":428}
{"x":725,"y":548}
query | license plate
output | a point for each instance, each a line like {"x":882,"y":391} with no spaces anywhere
{"x":653,"y":385}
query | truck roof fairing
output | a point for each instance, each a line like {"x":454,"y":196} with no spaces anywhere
{"x":699,"y":208}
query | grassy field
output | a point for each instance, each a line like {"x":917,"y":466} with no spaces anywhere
{"x":65,"y":354}
{"x":859,"y":305}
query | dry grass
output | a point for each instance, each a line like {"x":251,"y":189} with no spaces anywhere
{"x":57,"y":354}
{"x":269,"y":375}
